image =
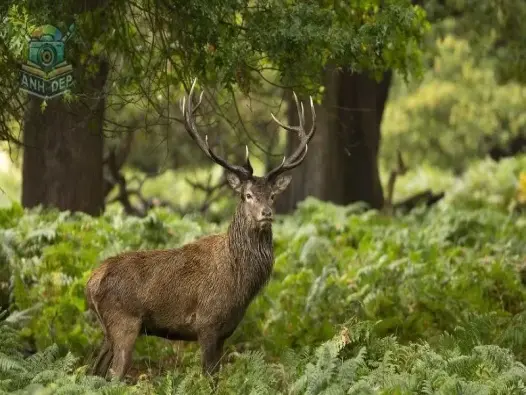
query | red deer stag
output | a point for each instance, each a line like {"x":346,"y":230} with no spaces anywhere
{"x":200,"y":291}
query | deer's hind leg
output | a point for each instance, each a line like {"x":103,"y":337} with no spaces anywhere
{"x":105,"y":357}
{"x":123,"y":332}
{"x":102,"y":363}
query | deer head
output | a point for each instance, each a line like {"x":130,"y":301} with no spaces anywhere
{"x":257,"y":194}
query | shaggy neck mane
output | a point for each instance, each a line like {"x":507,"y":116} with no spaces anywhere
{"x":252,"y":252}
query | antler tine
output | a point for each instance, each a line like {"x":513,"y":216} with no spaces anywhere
{"x":301,"y":114}
{"x":286,"y":127}
{"x":189,"y":111}
{"x":248,"y":165}
{"x":313,"y":126}
{"x":300,"y":153}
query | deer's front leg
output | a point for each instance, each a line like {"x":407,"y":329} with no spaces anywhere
{"x":211,"y":352}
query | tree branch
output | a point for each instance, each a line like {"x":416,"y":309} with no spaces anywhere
{"x":209,"y":189}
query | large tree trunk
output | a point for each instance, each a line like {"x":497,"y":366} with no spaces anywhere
{"x":342,"y":163}
{"x":63,"y":154}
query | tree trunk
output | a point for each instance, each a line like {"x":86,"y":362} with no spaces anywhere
{"x":342,"y":163}
{"x":63,"y":154}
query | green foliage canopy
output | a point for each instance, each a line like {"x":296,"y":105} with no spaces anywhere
{"x":224,"y":43}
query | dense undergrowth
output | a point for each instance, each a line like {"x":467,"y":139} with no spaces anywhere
{"x":359,"y":303}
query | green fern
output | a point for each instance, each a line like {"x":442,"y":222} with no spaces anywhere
{"x":435,"y":297}
{"x":46,"y":372}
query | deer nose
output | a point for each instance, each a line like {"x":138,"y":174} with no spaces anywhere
{"x":266,"y":213}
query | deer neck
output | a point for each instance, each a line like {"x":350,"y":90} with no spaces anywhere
{"x":252,"y":253}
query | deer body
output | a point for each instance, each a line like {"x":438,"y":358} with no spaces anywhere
{"x":198,"y":292}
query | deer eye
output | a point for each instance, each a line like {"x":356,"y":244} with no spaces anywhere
{"x":272,"y":195}
{"x":248,"y":196}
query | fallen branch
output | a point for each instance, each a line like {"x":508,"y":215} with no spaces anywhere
{"x":118,"y":158}
{"x":515,"y":146}
{"x":400,"y":170}
{"x":123,"y":195}
{"x":426,"y":197}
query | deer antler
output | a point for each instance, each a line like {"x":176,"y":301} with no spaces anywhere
{"x":189,"y":111}
{"x":301,"y":151}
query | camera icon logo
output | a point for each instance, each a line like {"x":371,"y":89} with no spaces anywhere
{"x":46,"y":73}
{"x":46,"y":52}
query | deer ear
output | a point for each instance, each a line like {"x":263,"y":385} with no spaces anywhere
{"x":281,"y":183}
{"x":234,"y":182}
